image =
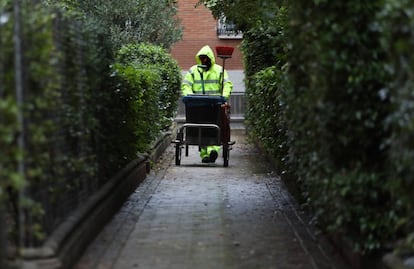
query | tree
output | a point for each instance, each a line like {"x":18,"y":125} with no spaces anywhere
{"x":133,"y":21}
{"x":244,"y":13}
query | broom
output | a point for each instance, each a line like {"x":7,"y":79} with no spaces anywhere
{"x":223,"y":52}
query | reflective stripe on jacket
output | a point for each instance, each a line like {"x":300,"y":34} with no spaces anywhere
{"x":198,"y":79}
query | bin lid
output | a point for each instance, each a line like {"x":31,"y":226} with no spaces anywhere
{"x":203,"y":100}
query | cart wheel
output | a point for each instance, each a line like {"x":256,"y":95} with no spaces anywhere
{"x":226,"y":155}
{"x":177,"y":154}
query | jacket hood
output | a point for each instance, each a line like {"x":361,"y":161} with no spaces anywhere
{"x":206,"y":50}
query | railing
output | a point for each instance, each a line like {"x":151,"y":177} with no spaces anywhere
{"x":227,"y":30}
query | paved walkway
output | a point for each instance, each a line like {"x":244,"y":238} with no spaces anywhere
{"x":197,"y":216}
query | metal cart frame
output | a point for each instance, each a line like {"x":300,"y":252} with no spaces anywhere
{"x":207,"y":124}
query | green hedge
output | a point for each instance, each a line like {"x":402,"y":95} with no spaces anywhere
{"x":335,"y":113}
{"x":85,"y":113}
{"x":397,"y":22}
{"x":148,"y":84}
{"x":340,"y":138}
{"x":154,"y":57}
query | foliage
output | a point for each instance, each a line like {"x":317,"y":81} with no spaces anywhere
{"x":8,"y":106}
{"x":33,"y":153}
{"x":80,"y":124}
{"x":267,"y":104}
{"x":335,"y":109}
{"x":336,"y":119}
{"x":138,"y":121}
{"x":265,"y":80}
{"x":360,"y":209}
{"x":397,"y":22}
{"x":133,"y":21}
{"x":244,"y":13}
{"x":270,"y":35}
{"x":146,"y":90}
{"x":155,"y":57}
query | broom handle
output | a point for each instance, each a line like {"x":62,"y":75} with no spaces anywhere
{"x":222,"y":78}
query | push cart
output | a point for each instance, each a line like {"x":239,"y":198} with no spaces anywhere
{"x":207,"y":124}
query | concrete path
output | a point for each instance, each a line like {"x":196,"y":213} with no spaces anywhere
{"x":197,"y":216}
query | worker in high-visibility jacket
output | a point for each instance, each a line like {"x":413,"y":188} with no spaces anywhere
{"x":204,"y":78}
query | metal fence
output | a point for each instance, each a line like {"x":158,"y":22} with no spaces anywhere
{"x":58,"y":160}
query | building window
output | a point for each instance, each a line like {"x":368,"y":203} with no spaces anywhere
{"x":227,"y":29}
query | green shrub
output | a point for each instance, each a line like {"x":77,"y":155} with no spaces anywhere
{"x":272,"y":37}
{"x":149,"y":80}
{"x":397,"y":22}
{"x":8,"y":106}
{"x":325,"y":99}
{"x":356,"y":206}
{"x":79,"y":125}
{"x":155,"y":57}
{"x":133,"y":21}
{"x":337,"y":117}
{"x":27,"y":127}
{"x":336,"y":108}
{"x":267,"y":106}
{"x":138,"y":122}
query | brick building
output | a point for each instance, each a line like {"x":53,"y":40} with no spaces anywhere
{"x":199,"y":29}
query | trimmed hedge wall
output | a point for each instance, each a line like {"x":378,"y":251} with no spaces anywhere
{"x":148,"y":87}
{"x":332,"y":104}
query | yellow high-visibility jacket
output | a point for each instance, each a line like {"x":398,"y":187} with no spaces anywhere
{"x":197,"y":78}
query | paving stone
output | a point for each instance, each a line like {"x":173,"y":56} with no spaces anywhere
{"x":200,"y":216}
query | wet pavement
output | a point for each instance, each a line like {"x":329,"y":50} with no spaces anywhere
{"x":207,"y":216}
